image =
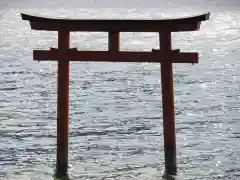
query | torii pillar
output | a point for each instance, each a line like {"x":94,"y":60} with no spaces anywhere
{"x":165,"y":55}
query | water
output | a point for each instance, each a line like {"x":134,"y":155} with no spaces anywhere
{"x":115,"y":108}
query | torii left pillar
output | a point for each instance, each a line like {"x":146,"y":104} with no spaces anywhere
{"x":63,"y":103}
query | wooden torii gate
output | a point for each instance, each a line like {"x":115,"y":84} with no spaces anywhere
{"x":165,"y":55}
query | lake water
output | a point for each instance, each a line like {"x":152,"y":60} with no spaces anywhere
{"x":115,"y":108}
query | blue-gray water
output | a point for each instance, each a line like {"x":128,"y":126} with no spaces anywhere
{"x":115,"y":109}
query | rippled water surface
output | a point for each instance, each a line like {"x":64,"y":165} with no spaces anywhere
{"x":115,"y":108}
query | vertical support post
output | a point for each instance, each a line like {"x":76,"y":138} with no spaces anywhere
{"x":168,"y":107}
{"x":62,"y":103}
{"x":113,"y":41}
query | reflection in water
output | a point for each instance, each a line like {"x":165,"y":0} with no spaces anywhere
{"x":168,"y":177}
{"x":59,"y":177}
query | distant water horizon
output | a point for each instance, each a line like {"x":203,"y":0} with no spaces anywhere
{"x":160,"y":4}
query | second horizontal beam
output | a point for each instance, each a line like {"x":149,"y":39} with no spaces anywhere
{"x":173,"y":56}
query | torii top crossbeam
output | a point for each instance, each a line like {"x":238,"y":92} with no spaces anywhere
{"x":172,"y":25}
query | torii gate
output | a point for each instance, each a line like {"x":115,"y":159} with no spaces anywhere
{"x":166,"y":56}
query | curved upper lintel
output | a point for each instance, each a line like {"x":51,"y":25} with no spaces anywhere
{"x":119,"y":25}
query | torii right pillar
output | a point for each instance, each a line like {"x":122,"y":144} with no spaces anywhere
{"x":168,"y":107}
{"x":169,"y":133}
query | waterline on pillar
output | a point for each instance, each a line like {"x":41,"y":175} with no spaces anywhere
{"x":60,"y":176}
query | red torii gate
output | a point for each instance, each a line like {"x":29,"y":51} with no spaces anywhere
{"x":166,"y":56}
